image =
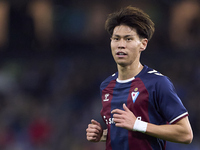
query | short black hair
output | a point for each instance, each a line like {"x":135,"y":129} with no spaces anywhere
{"x":132,"y":17}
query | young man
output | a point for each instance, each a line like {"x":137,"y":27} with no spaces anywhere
{"x":140,"y":105}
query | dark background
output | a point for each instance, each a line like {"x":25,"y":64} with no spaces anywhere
{"x":55,"y":54}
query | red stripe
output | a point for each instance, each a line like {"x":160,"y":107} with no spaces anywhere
{"x":139,"y":140}
{"x":106,"y":109}
{"x":180,"y":118}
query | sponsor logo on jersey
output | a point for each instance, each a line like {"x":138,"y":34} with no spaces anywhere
{"x":106,"y":97}
{"x":109,"y":120}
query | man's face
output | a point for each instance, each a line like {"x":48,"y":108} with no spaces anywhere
{"x":126,"y":45}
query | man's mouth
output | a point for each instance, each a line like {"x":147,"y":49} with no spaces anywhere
{"x":121,"y":53}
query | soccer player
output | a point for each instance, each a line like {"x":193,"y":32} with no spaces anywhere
{"x":140,"y":106}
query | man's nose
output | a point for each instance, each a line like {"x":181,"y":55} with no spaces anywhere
{"x":122,"y":43}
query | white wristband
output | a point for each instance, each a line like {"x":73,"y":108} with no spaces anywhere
{"x":140,"y":125}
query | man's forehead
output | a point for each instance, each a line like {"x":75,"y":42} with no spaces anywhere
{"x":125,"y":30}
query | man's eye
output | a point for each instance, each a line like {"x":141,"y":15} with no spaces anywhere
{"x":129,"y":39}
{"x":115,"y":39}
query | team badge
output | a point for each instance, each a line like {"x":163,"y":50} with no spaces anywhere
{"x":135,"y":94}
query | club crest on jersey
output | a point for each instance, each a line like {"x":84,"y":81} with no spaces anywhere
{"x":106,"y":97}
{"x":134,"y":95}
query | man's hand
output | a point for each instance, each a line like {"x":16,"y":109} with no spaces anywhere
{"x":124,"y":118}
{"x":94,"y":131}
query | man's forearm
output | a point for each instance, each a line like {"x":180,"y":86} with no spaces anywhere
{"x":180,"y":132}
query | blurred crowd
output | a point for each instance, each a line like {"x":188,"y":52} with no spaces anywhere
{"x":55,"y":53}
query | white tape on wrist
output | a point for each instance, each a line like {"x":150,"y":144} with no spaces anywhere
{"x":140,"y":125}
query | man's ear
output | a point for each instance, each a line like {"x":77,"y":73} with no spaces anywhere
{"x":143,"y":44}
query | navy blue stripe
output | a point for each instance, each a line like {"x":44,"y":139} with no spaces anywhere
{"x":119,"y":136}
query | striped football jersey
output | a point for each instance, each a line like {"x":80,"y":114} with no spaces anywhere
{"x":150,"y":96}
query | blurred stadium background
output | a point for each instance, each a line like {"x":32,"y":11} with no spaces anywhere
{"x":55,"y":53}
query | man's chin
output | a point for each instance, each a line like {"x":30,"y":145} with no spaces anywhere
{"x":122,"y":64}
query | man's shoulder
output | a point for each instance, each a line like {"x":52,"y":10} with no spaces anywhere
{"x":112,"y":77}
{"x":151,"y":75}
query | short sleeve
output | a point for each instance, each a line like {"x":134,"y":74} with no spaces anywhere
{"x":170,"y":105}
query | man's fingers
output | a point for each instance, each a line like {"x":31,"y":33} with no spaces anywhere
{"x":125,"y":107}
{"x":94,"y":131}
{"x":95,"y":122}
{"x":94,"y":128}
{"x":92,"y":137}
{"x":91,"y":134}
{"x":116,"y":120}
{"x":117,"y":111}
{"x":117,"y":116}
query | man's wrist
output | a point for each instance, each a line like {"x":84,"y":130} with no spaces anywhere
{"x":104,"y":136}
{"x":140,"y":126}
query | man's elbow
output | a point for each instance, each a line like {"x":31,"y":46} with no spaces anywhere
{"x":188,"y":138}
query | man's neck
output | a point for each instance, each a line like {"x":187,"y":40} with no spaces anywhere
{"x":128,"y":72}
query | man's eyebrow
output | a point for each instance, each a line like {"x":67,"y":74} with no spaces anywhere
{"x":125,"y":36}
